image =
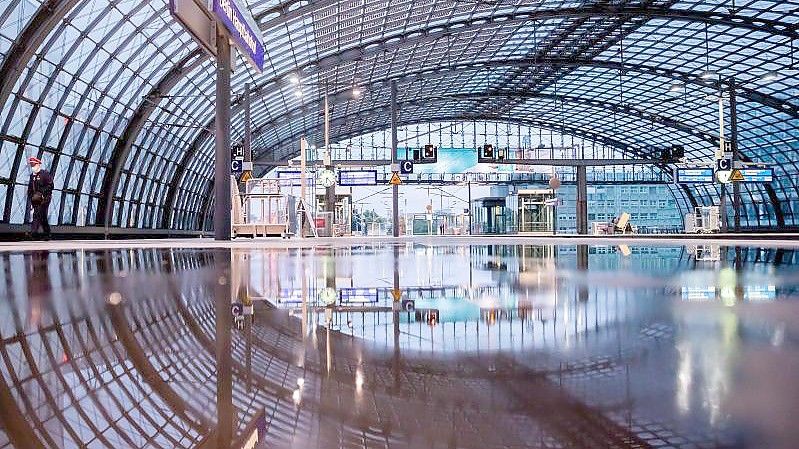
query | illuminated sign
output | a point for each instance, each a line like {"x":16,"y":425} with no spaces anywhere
{"x":698,"y":293}
{"x":293,"y":178}
{"x":357,"y":177}
{"x":760,"y":292}
{"x":757,"y":174}
{"x":244,"y":31}
{"x":695,"y":176}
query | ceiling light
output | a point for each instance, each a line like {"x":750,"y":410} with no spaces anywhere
{"x":676,"y":87}
{"x":709,"y":74}
{"x":298,"y":93}
{"x":770,"y":76}
{"x":356,"y":92}
{"x":294,"y":79}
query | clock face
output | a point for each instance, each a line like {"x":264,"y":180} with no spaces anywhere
{"x":327,"y":178}
{"x":328,"y":296}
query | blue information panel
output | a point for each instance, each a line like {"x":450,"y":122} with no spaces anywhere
{"x":358,"y":295}
{"x":357,"y":177}
{"x":694,"y":175}
{"x":293,"y":178}
{"x":757,"y":174}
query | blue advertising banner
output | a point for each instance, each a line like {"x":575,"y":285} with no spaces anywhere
{"x":242,"y":28}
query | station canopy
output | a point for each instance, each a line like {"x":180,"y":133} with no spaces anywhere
{"x":119,"y":100}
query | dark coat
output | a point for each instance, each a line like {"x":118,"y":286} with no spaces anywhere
{"x":41,"y":182}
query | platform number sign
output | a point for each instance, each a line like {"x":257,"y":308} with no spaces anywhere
{"x":406,"y":167}
{"x":236,"y":166}
{"x":723,"y":164}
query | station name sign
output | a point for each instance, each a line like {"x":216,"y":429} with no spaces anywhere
{"x":242,"y":28}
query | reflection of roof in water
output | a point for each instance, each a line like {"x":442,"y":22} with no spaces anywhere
{"x":79,"y":371}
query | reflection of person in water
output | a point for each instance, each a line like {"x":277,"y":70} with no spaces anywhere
{"x":39,"y":286}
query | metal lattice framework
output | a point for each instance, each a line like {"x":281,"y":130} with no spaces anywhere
{"x":118,"y":100}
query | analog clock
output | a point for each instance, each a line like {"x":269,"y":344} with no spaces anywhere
{"x":328,"y":296}
{"x":327,"y":178}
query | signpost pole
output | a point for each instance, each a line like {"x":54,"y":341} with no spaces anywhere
{"x":330,"y":192}
{"x":222,"y":201}
{"x":301,"y":209}
{"x":723,"y":199}
{"x":582,"y":200}
{"x":469,"y":187}
{"x":247,"y":126}
{"x":395,"y":187}
{"x":736,"y":187}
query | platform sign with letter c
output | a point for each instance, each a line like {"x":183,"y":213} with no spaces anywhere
{"x":723,"y":164}
{"x":406,"y":167}
{"x":236,"y":166}
{"x":237,"y":309}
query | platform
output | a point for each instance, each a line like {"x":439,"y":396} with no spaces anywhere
{"x":573,"y":341}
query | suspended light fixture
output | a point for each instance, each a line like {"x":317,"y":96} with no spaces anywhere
{"x":356,"y":92}
{"x":709,"y":75}
{"x":770,"y":76}
{"x":676,"y":87}
{"x":298,"y":93}
{"x":294,"y":79}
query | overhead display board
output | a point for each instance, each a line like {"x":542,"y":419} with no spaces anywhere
{"x":293,"y":178}
{"x":695,"y":175}
{"x":351,"y":178}
{"x":358,"y":295}
{"x":757,"y":174}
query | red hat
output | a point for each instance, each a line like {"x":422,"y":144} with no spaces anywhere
{"x":34,"y":161}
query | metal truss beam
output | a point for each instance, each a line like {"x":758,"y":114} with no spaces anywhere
{"x":363,"y":49}
{"x":23,"y":49}
{"x":565,"y":129}
{"x":133,"y":129}
{"x":174,"y":185}
{"x":351,"y":117}
{"x":421,"y":75}
{"x":496,"y":94}
{"x":774,"y":27}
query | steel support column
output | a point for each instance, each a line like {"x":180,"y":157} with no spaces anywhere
{"x":582,"y":200}
{"x":247,"y":124}
{"x":330,"y":192}
{"x":394,"y":189}
{"x":736,"y":186}
{"x":222,"y":202}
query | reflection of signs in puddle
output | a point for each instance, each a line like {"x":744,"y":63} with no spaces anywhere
{"x":657,"y":331}
{"x":429,"y":316}
{"x":492,"y":265}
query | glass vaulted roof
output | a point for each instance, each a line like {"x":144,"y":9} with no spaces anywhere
{"x":118,"y":99}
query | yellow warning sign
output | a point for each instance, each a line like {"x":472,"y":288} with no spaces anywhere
{"x":246,"y":176}
{"x":397,"y":294}
{"x":736,"y":175}
{"x":395,"y":179}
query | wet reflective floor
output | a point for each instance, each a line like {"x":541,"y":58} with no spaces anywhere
{"x":406,"y":345}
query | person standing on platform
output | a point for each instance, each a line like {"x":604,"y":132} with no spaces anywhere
{"x":40,"y":191}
